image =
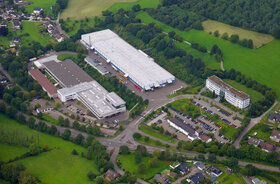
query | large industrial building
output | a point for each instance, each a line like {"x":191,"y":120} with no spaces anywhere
{"x":236,"y":98}
{"x":130,"y":62}
{"x":97,"y":99}
{"x":77,"y":84}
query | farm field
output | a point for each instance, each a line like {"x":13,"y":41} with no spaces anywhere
{"x":30,"y":32}
{"x":254,"y":95}
{"x":10,"y":152}
{"x":129,"y":164}
{"x":259,"y":39}
{"x":58,"y":165}
{"x":128,"y":5}
{"x":45,"y":5}
{"x":88,"y":8}
{"x":261,"y":64}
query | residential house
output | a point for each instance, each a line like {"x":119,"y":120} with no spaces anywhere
{"x":17,"y":1}
{"x":12,"y":44}
{"x":44,"y":109}
{"x":58,"y":37}
{"x":268,"y":147}
{"x":9,"y":9}
{"x":214,"y":171}
{"x":17,"y":40}
{"x":49,"y":17}
{"x":258,"y":181}
{"x":161,"y":179}
{"x":25,"y":3}
{"x":111,"y":175}
{"x":27,"y":16}
{"x":274,"y":117}
{"x":196,"y":178}
{"x":3,"y":79}
{"x":254,"y":141}
{"x":37,"y":10}
{"x":275,"y":135}
{"x":203,"y":137}
{"x":200,"y":165}
{"x":3,"y":24}
{"x":17,"y":24}
{"x":183,"y":168}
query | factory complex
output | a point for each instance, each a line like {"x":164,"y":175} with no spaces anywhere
{"x":77,"y":84}
{"x":133,"y":64}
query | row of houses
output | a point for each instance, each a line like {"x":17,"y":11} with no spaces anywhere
{"x":188,"y":130}
{"x":51,"y":29}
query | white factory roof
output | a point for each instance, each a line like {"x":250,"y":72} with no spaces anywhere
{"x":134,"y":63}
{"x":94,"y":96}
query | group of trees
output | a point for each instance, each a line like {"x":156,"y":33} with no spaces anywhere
{"x":254,"y":15}
{"x":16,"y":174}
{"x":93,"y":130}
{"x":177,"y":17}
{"x":59,"y":6}
{"x":235,"y":39}
{"x":257,"y":108}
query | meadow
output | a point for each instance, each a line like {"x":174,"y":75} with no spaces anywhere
{"x":261,"y":64}
{"x":45,"y":5}
{"x":129,"y":164}
{"x":128,"y":5}
{"x":10,"y":152}
{"x":259,"y":39}
{"x":254,"y":95}
{"x":55,"y":166}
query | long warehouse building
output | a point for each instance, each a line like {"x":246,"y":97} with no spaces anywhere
{"x":130,"y":62}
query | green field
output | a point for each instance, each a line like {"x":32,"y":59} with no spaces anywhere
{"x":44,"y":4}
{"x":88,"y":8}
{"x":63,"y":57}
{"x":49,"y":118}
{"x":58,"y":165}
{"x":262,"y":64}
{"x":129,"y":5}
{"x":254,"y":95}
{"x":30,"y":32}
{"x":129,"y":164}
{"x":8,"y":152}
{"x":150,"y":131}
{"x":259,"y":39}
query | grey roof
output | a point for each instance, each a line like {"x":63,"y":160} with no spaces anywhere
{"x":67,"y":72}
{"x":132,"y":62}
{"x":273,"y":116}
{"x":97,"y":65}
{"x":188,"y":128}
{"x":197,"y":178}
{"x":183,"y":167}
{"x":115,"y":99}
{"x":213,"y":169}
{"x":199,"y":164}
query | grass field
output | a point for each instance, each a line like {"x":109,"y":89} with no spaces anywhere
{"x":254,"y":95}
{"x":128,"y":5}
{"x":88,"y":8}
{"x":56,"y":166}
{"x":259,"y":39}
{"x":8,"y":152}
{"x":30,"y":32}
{"x":128,"y":164}
{"x":262,"y":64}
{"x":44,"y":4}
{"x":63,"y":57}
{"x":148,"y":130}
{"x":50,"y":118}
{"x":231,"y":178}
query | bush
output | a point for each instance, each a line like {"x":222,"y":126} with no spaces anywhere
{"x":137,"y":136}
{"x":74,"y":152}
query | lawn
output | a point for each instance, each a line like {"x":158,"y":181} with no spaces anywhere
{"x":50,"y":118}
{"x":259,"y":39}
{"x":261,"y":64}
{"x":88,"y":8}
{"x":63,"y":57}
{"x":128,"y":5}
{"x":254,"y":95}
{"x":8,"y":152}
{"x":231,"y":178}
{"x":129,"y":164}
{"x":44,"y":4}
{"x":150,"y":131}
{"x":57,"y":166}
{"x":30,"y":32}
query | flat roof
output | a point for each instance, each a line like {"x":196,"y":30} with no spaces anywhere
{"x":43,"y":81}
{"x":224,"y":85}
{"x":67,"y":72}
{"x":134,"y":63}
{"x":183,"y":125}
{"x":97,"y":65}
{"x":93,"y":95}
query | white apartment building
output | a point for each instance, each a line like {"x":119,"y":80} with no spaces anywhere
{"x":233,"y":96}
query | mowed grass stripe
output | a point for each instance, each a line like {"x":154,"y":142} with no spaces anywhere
{"x":259,"y":39}
{"x":261,"y":64}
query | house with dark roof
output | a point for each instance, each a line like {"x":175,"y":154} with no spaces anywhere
{"x":214,"y":171}
{"x":183,"y":127}
{"x":268,"y":147}
{"x":254,"y":141}
{"x":17,"y":39}
{"x":17,"y":24}
{"x":183,"y":168}
{"x":37,"y":10}
{"x":275,"y":135}
{"x":111,"y":175}
{"x":3,"y":24}
{"x":274,"y":117}
{"x":161,"y":179}
{"x":196,"y":178}
{"x":200,"y":165}
{"x":49,"y":17}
